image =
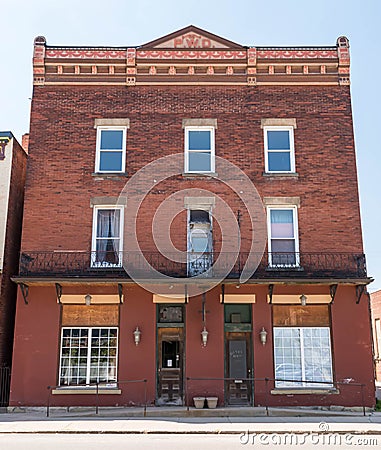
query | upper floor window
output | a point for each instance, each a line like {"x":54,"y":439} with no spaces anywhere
{"x":107,"y":236}
{"x":199,"y":149}
{"x":283,"y":236}
{"x":279,"y":149}
{"x":111,"y":149}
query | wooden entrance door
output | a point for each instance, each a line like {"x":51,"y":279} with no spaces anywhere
{"x":170,"y":366}
{"x":238,"y":367}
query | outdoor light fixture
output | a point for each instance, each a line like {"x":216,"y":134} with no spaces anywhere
{"x":204,"y":337}
{"x":137,"y":334}
{"x":88,"y":298}
{"x":303,"y":300}
{"x":263,"y":336}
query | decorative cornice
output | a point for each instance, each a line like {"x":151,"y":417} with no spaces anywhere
{"x":190,"y":63}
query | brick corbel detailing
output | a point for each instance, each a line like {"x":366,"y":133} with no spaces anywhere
{"x":39,"y":60}
{"x":344,"y":60}
{"x":131,"y":67}
{"x":251,"y":66}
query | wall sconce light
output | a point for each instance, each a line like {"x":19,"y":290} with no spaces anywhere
{"x":137,"y":334}
{"x":303,"y":300}
{"x":204,"y":337}
{"x":263,"y":336}
{"x":88,"y":298}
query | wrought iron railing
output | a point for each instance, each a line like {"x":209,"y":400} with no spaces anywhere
{"x":211,"y":265}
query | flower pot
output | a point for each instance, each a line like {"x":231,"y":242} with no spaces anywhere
{"x":199,"y":402}
{"x":212,"y":402}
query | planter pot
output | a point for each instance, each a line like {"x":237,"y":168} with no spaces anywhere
{"x":212,"y":402}
{"x":199,"y":402}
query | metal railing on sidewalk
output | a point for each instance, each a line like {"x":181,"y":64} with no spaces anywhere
{"x":98,"y":386}
{"x":327,"y":386}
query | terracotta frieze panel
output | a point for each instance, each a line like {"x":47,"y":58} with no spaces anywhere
{"x":296,"y":54}
{"x":71,"y":53}
{"x":190,"y":54}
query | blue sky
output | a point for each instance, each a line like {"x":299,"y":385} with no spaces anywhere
{"x":248,"y":22}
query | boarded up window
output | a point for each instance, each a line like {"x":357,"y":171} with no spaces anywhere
{"x":297,"y":315}
{"x":92,"y":315}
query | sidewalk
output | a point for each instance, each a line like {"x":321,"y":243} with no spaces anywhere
{"x":123,"y":422}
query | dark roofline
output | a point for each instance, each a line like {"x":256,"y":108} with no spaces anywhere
{"x":7,"y":134}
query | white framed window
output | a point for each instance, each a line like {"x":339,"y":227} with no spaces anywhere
{"x":199,"y":149}
{"x":107,"y":242}
{"x":279,"y":149}
{"x":111,"y":149}
{"x":200,"y":241}
{"x":302,"y":357}
{"x":283,"y":242}
{"x":88,"y":356}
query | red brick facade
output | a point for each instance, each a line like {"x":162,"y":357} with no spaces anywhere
{"x":153,"y":90}
{"x":376,"y":328}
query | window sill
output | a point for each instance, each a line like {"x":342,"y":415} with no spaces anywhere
{"x":281,"y":174}
{"x":85,"y":390}
{"x":284,"y":268}
{"x":305,"y":391}
{"x":200,"y":174}
{"x":110,"y":175}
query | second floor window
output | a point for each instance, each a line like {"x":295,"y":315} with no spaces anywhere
{"x":283,"y":236}
{"x":279,"y":149}
{"x":199,"y":149}
{"x":107,"y":237}
{"x":111,"y":149}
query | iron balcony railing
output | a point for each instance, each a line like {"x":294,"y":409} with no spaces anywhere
{"x":211,"y":265}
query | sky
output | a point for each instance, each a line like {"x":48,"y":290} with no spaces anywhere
{"x":247,"y":22}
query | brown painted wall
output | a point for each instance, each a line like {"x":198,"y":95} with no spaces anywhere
{"x":37,"y":344}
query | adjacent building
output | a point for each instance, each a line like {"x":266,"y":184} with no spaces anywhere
{"x":12,"y":179}
{"x":376,"y":327}
{"x":192,"y":228}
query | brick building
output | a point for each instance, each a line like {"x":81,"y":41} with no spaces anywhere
{"x":12,"y":179}
{"x":375,"y":300}
{"x":192,"y":219}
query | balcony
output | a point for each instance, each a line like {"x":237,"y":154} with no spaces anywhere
{"x":150,"y":265}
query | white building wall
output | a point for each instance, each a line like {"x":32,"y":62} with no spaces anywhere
{"x":5,"y":181}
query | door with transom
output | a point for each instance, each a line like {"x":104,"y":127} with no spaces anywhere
{"x":170,"y":366}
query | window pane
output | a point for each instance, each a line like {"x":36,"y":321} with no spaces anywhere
{"x":108,"y":223}
{"x":111,"y":161}
{"x":278,"y":140}
{"x":199,"y":161}
{"x":111,"y":140}
{"x":287,"y":357}
{"x":200,"y":242}
{"x":282,"y":246}
{"x":199,"y":140}
{"x":317,"y":355}
{"x":199,"y":216}
{"x":282,"y":225}
{"x":279,"y":161}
